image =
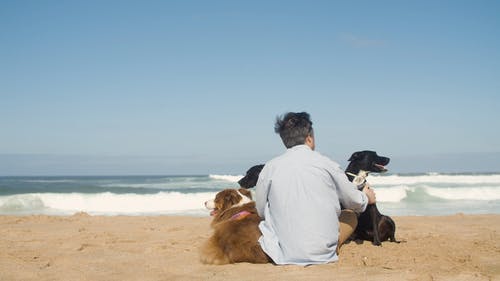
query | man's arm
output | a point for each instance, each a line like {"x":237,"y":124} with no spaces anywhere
{"x":349,"y":195}
{"x":261,"y":191}
{"x":370,"y":194}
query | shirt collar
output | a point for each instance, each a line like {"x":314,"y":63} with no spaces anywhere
{"x":300,"y":147}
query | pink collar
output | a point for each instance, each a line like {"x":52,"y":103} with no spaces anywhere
{"x":241,"y":215}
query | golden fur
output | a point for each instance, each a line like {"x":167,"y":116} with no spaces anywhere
{"x":234,"y":237}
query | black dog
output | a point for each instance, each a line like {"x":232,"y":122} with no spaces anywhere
{"x":250,"y":179}
{"x":372,"y":225}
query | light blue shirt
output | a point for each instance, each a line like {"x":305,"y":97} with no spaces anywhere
{"x":298,"y":195}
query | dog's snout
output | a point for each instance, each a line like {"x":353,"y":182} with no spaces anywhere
{"x":210,"y":204}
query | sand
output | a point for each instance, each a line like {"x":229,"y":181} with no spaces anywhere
{"x":83,"y":247}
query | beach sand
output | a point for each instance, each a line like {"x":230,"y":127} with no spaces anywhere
{"x":83,"y":247}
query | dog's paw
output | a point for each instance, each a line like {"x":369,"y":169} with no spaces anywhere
{"x":213,"y":259}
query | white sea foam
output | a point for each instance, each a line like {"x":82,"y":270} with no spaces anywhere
{"x":397,"y":194}
{"x":433,"y":178}
{"x":392,"y":194}
{"x":229,"y":178}
{"x":20,"y":203}
{"x":465,"y":193}
{"x":192,"y":203}
{"x":106,"y":203}
{"x":400,"y":193}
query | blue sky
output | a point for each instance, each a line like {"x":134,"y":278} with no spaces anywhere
{"x":194,"y":87}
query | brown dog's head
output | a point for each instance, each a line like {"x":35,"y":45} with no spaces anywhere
{"x":227,"y":199}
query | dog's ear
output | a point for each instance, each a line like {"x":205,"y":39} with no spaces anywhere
{"x":230,"y":199}
{"x":355,"y":156}
{"x":226,"y":198}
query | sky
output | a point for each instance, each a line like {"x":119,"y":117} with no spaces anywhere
{"x":194,"y":87}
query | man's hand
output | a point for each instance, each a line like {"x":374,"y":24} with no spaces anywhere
{"x":370,"y":194}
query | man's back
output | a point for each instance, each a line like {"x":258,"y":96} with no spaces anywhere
{"x":298,"y":197}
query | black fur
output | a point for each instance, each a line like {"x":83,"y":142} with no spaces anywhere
{"x":251,"y":177}
{"x":372,"y":225}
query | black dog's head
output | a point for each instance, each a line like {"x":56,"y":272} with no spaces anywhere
{"x":250,"y":179}
{"x":367,"y":161}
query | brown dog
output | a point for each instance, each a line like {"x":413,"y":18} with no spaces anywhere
{"x":236,"y":230}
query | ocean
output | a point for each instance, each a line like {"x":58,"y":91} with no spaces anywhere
{"x":397,"y":194}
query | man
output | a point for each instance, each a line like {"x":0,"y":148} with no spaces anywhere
{"x":299,"y":194}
